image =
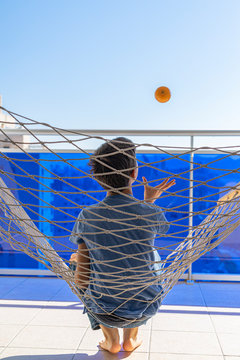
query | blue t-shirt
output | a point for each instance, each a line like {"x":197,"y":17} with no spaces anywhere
{"x":119,"y":233}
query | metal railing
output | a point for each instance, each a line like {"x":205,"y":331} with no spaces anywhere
{"x":191,"y":135}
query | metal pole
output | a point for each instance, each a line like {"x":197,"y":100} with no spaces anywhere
{"x":190,"y":219}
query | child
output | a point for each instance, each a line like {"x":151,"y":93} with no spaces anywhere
{"x":116,"y":264}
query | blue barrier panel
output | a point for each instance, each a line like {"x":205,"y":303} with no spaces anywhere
{"x":222,"y":172}
{"x":54,"y":198}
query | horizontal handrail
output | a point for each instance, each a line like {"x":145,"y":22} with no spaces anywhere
{"x":110,"y":132}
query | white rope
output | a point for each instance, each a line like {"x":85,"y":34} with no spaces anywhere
{"x":17,"y":228}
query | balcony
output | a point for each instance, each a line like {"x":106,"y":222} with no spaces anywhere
{"x":41,"y":319}
{"x":49,"y":177}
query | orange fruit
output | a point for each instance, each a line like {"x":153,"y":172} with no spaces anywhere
{"x":162,"y":94}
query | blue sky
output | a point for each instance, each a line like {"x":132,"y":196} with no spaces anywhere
{"x":96,"y":64}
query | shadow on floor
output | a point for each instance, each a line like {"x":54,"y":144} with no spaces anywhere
{"x":100,"y":355}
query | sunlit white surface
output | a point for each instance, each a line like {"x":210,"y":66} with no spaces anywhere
{"x":41,"y":319}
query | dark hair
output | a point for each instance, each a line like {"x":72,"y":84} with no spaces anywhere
{"x":117,"y":154}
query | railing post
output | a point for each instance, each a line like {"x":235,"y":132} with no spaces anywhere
{"x":190,"y":218}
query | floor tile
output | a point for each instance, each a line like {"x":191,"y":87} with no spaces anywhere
{"x":104,"y":355}
{"x":7,"y":284}
{"x":185,"y":294}
{"x":177,"y":342}
{"x":65,"y":294}
{"x":221,"y":294}
{"x":8,"y":332}
{"x":36,"y":354}
{"x":35,"y":289}
{"x":158,"y":356}
{"x":183,"y":328}
{"x":182,"y":322}
{"x":220,"y":299}
{"x":230,"y":344}
{"x":225,"y":286}
{"x":15,"y":314}
{"x":91,"y":339}
{"x":61,"y":317}
{"x":226,"y":323}
{"x":49,"y":337}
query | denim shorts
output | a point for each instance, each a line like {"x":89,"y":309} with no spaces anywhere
{"x":114,"y":322}
{"x":109,"y":320}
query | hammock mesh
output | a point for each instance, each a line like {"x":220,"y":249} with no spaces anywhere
{"x":41,"y":197}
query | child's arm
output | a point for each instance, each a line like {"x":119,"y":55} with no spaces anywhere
{"x":151,"y":194}
{"x":82,"y":272}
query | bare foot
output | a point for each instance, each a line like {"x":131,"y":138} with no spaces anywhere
{"x":113,"y":348}
{"x":73,"y":258}
{"x":131,"y":344}
{"x":130,"y":339}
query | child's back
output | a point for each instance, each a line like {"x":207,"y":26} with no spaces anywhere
{"x":119,"y":234}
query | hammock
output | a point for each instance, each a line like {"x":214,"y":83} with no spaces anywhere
{"x":25,"y":208}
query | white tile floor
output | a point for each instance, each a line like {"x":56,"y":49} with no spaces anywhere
{"x":40,"y":319}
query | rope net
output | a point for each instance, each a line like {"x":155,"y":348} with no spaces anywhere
{"x":43,"y":192}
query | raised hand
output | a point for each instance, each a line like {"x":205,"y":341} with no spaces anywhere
{"x":152,"y":193}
